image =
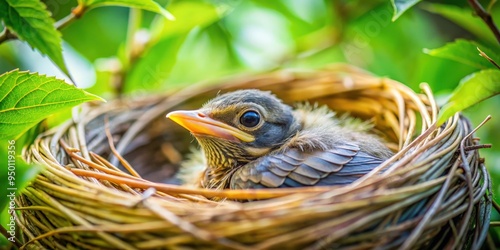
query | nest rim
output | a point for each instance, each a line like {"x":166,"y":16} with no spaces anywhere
{"x":185,"y":214}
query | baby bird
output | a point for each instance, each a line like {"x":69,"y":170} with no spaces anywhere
{"x":251,"y":139}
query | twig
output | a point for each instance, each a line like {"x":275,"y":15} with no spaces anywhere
{"x":468,"y":179}
{"x":124,"y":162}
{"x":475,"y":147}
{"x":4,"y":232}
{"x":6,"y":35}
{"x":89,"y":163}
{"x":481,"y":53}
{"x":487,"y":18}
{"x":496,"y":206}
{"x":248,"y":194}
{"x":65,"y":21}
{"x":494,"y":223}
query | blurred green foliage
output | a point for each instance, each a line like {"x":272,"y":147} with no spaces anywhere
{"x":116,"y":50}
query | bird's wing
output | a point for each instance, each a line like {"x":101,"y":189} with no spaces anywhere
{"x":340,"y":165}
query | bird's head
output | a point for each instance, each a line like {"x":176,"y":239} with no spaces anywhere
{"x":238,"y":127}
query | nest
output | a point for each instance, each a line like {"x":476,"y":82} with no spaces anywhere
{"x":103,"y":186}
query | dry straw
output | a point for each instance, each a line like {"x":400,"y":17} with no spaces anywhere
{"x":433,"y":194}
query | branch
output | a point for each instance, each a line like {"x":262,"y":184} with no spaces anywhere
{"x":65,"y":21}
{"x":481,"y":53}
{"x":6,"y":35}
{"x":481,"y":12}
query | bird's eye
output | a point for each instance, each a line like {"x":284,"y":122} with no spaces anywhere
{"x":250,"y":119}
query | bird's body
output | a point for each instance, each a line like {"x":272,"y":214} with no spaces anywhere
{"x":250,"y":139}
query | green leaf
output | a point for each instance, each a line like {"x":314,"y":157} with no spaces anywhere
{"x":209,"y":64}
{"x":465,"y":52}
{"x":155,"y":66}
{"x":463,"y":17}
{"x":27,"y":98}
{"x":149,"y":5}
{"x":400,"y":6}
{"x":32,"y":23}
{"x":473,"y":89}
{"x":188,"y":14}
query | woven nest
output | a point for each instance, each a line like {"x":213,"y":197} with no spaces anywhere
{"x":433,"y":194}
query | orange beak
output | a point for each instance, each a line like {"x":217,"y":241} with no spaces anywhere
{"x":200,"y":124}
